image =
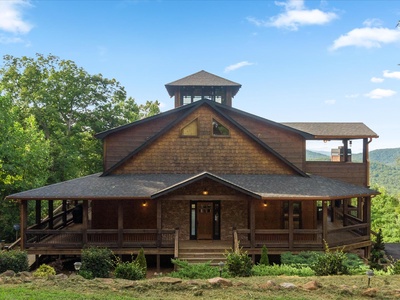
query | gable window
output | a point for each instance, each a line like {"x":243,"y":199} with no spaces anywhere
{"x":218,"y":129}
{"x":191,"y":129}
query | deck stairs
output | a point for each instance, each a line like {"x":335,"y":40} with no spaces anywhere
{"x":203,"y":251}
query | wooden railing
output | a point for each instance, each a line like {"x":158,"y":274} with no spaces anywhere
{"x":110,"y":238}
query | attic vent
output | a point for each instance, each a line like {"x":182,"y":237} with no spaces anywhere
{"x":190,"y":129}
{"x":218,"y":129}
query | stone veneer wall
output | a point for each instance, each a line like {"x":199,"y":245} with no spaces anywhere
{"x":175,"y":214}
{"x":233,"y":214}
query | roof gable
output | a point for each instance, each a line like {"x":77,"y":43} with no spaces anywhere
{"x":167,"y":152}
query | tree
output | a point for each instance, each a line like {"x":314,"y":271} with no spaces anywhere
{"x":24,"y":161}
{"x":70,"y":105}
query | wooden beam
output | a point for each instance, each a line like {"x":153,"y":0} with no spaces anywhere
{"x":51,"y":213}
{"x":85,"y":210}
{"x":24,"y":222}
{"x":291,"y":225}
{"x":38,"y":212}
{"x":159,"y":224}
{"x":120,"y":223}
{"x":252,"y":223}
{"x":64,"y":212}
{"x":324,"y":221}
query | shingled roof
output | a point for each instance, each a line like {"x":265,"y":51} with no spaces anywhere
{"x":146,"y":186}
{"x":326,"y":130}
{"x":202,"y":78}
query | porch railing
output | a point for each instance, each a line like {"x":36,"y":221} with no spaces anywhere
{"x":111,"y":238}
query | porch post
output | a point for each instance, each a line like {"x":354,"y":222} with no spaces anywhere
{"x":345,"y":211}
{"x":360,"y":208}
{"x":51,"y":213}
{"x":64,"y":212}
{"x":159,"y":223}
{"x":367,"y":214}
{"x":38,"y":212}
{"x":324,"y":222}
{"x":252,"y":224}
{"x":24,"y":222}
{"x":291,"y":225}
{"x":120,"y":224}
{"x":84,"y":222}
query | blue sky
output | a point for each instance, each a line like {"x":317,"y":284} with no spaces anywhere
{"x":297,"y":61}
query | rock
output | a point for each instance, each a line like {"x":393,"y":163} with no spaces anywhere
{"x":24,"y":274}
{"x":312,"y":285}
{"x":269,"y":284}
{"x":345,"y":290}
{"x":220,"y":281}
{"x":168,"y":280}
{"x":288,"y":285}
{"x":198,"y":293}
{"x":8,"y":273}
{"x":370,"y":292}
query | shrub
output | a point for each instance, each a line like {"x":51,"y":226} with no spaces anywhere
{"x":239,"y":263}
{"x":331,"y":263}
{"x":278,"y":270}
{"x":304,"y":258}
{"x":86,"y":274}
{"x":130,"y":271}
{"x":264,"y":256}
{"x":396,"y":267}
{"x":193,"y":271}
{"x":141,"y":261}
{"x":377,"y":252}
{"x":96,"y":261}
{"x":44,"y":271}
{"x":14,"y":260}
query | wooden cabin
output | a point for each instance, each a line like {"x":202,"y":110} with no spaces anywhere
{"x":205,"y":177}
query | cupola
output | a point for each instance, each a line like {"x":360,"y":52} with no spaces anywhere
{"x":202,"y":85}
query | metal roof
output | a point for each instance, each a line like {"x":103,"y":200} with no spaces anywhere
{"x":134,"y":186}
{"x":329,"y":130}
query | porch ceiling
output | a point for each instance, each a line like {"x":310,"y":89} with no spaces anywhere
{"x":140,"y":186}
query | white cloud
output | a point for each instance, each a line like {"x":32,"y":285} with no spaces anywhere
{"x":9,"y":40}
{"x":377,"y":80}
{"x":330,"y":102}
{"x":388,"y":74}
{"x":295,"y":16}
{"x":372,"y":23}
{"x":11,"y":16}
{"x":380,"y":93}
{"x":367,"y":37}
{"x":237,"y":66}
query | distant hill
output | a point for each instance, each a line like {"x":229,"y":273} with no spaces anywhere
{"x":384,"y":167}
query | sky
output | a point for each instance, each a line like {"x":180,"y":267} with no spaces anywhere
{"x":297,"y":61}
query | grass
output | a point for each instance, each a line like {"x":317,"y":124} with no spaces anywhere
{"x":332,"y":287}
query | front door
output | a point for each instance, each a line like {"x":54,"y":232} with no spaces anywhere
{"x":205,"y":213}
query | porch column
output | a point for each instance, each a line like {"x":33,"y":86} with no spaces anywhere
{"x":51,"y":213}
{"x":345,"y":211}
{"x":252,"y":223}
{"x":120,"y":224}
{"x":64,"y":212}
{"x":360,"y":208}
{"x":291,"y":225}
{"x":324,"y":222}
{"x":84,"y":222}
{"x":367,"y":214}
{"x":24,"y":222}
{"x":38,"y":212}
{"x":159,"y":224}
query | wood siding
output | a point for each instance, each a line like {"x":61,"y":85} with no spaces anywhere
{"x":236,"y":153}
{"x":288,"y":144}
{"x":354,"y":173}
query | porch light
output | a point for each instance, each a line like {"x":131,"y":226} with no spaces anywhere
{"x":221,"y":265}
{"x":205,"y":192}
{"x":370,"y":274}
{"x":144,"y":203}
{"x":77,"y":265}
{"x":265,"y":203}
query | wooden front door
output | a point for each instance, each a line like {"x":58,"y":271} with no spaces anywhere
{"x":205,"y":215}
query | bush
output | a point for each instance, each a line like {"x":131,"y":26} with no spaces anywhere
{"x":377,"y":252}
{"x":278,"y":270}
{"x":141,"y":261}
{"x":14,"y":260}
{"x":193,"y":271}
{"x":96,"y":261}
{"x":331,"y":263}
{"x":44,"y":271}
{"x":239,"y":264}
{"x":304,"y":258}
{"x":264,"y":256}
{"x":130,"y":271}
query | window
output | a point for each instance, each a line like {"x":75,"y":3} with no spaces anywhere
{"x":190,"y":94}
{"x":190,"y":129}
{"x":218,"y":129}
{"x":296,"y":214}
